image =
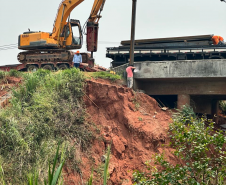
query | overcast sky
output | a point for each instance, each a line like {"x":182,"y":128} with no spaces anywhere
{"x":155,"y":19}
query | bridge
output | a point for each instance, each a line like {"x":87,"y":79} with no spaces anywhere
{"x":198,"y":83}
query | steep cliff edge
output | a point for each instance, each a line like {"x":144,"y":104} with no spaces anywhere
{"x":131,"y":122}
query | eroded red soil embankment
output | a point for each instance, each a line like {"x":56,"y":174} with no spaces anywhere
{"x":6,"y":85}
{"x":135,"y":134}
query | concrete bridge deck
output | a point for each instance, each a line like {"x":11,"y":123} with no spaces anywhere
{"x":181,"y":69}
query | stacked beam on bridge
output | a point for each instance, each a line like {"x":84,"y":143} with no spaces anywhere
{"x":173,"y":48}
{"x":170,"y":40}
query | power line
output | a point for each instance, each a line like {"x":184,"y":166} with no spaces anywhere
{"x":14,"y":46}
{"x":3,"y":49}
{"x":8,"y":45}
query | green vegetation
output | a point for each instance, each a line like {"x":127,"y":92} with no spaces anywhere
{"x":185,"y":116}
{"x":2,"y":74}
{"x":45,"y":110}
{"x":135,"y":101}
{"x":90,"y":182}
{"x":53,"y":176}
{"x":223,"y":106}
{"x":2,"y":181}
{"x":14,"y":73}
{"x":106,"y":75}
{"x":201,"y":150}
{"x":140,"y":118}
{"x":106,"y":174}
{"x":102,"y":170}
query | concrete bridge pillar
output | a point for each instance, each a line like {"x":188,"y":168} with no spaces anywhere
{"x":215,"y":110}
{"x":183,"y":99}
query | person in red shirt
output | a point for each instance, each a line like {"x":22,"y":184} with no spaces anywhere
{"x":218,"y":40}
{"x":129,"y":71}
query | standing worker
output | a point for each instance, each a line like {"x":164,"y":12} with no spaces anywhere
{"x":218,"y":40}
{"x":129,"y":71}
{"x":77,"y":59}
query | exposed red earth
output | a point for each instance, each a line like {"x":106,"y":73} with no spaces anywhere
{"x":132,"y":122}
{"x":5,"y":89}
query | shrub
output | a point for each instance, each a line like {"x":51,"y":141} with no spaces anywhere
{"x":201,"y":151}
{"x":185,"y":115}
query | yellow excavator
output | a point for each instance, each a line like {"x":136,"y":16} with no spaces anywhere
{"x":49,"y":50}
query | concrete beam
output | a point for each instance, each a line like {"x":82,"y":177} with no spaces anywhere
{"x":188,"y":86}
{"x":181,"y":69}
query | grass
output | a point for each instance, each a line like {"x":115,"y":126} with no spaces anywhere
{"x":14,"y":73}
{"x":2,"y":74}
{"x":102,"y":170}
{"x":106,"y":75}
{"x":106,"y":174}
{"x":135,"y":102}
{"x":11,"y":73}
{"x":45,"y":110}
{"x":53,"y":174}
{"x":2,"y":181}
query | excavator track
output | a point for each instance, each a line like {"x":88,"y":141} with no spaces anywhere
{"x":44,"y":56}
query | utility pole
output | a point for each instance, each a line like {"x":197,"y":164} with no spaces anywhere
{"x":133,"y":32}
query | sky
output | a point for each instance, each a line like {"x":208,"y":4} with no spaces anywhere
{"x":154,"y":19}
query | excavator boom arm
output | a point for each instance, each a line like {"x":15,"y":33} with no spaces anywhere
{"x":64,"y":10}
{"x":98,"y":6}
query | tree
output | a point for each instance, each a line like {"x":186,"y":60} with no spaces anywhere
{"x":201,"y":150}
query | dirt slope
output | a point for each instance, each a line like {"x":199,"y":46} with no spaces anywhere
{"x":135,"y":133}
{"x":6,"y":85}
{"x":133,"y":123}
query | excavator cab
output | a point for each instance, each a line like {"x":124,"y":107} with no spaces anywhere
{"x":72,"y":35}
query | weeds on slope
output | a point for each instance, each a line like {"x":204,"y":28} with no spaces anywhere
{"x":102,"y":170}
{"x":54,"y":175}
{"x":46,"y":109}
{"x":106,"y":75}
{"x":2,"y":74}
{"x":12,"y":72}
